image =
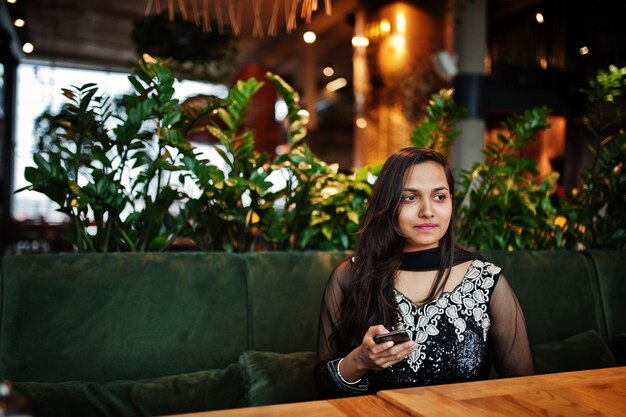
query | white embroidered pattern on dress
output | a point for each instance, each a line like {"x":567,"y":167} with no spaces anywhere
{"x":468,"y":300}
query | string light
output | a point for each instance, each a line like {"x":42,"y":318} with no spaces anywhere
{"x":335,"y":85}
{"x":309,"y":37}
{"x":360,"y":41}
{"x":401,"y":22}
{"x":385,"y":26}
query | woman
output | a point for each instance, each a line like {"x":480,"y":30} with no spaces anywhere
{"x":458,"y":309}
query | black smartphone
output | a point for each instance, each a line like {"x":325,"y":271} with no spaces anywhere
{"x":398,"y":336}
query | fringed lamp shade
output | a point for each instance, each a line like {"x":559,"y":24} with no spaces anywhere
{"x":207,"y":13}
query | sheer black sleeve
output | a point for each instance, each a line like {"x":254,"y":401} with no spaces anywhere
{"x":328,"y":381}
{"x":329,"y":311}
{"x":508,"y":334}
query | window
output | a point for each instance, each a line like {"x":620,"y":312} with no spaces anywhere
{"x":39,"y":89}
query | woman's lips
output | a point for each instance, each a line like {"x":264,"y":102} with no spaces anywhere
{"x":426,"y":226}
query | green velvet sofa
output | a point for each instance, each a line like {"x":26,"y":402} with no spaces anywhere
{"x":164,"y":333}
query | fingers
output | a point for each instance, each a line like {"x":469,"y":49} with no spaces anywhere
{"x":378,"y":347}
{"x":378,"y":329}
{"x":368,"y":340}
{"x":374,"y":330}
{"x":383,"y":355}
{"x":391,"y":354}
{"x":399,"y":352}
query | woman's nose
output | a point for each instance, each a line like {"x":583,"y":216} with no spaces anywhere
{"x":425,"y":210}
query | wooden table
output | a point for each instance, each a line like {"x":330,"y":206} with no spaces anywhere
{"x":599,"y":392}
{"x":363,"y":406}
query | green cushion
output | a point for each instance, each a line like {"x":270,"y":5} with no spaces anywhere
{"x":557,"y":289}
{"x":610,"y":266}
{"x":275,"y":378}
{"x":120,"y":316}
{"x":582,"y":351}
{"x":287,"y":285}
{"x":186,"y":393}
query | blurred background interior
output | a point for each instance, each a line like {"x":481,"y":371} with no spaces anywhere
{"x":364,"y":69}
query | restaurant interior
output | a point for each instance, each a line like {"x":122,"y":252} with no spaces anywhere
{"x":502,"y":57}
{"x":101,"y":273}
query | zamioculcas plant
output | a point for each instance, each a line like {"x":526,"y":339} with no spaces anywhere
{"x":436,"y":130}
{"x":321,"y":208}
{"x":127,"y":187}
{"x":500,"y":203}
{"x":599,"y":205}
{"x":96,"y":174}
{"x":225,"y":214}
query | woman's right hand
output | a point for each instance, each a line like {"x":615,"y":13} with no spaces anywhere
{"x":371,"y":356}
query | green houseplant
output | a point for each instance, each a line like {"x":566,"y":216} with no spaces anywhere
{"x":500,"y":203}
{"x":503,"y":204}
{"x":125,"y":188}
{"x":598,"y":206}
{"x":316,"y":209}
{"x":84,"y":165}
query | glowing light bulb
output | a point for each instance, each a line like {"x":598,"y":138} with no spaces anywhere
{"x":335,"y":85}
{"x":309,"y":37}
{"x":385,"y":26}
{"x":401,"y":23}
{"x":360,"y":41}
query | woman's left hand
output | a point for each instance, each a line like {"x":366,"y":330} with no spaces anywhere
{"x":370,"y":355}
{"x":378,"y":356}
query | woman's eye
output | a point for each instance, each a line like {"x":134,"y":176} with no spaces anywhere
{"x":409,"y":197}
{"x":440,"y":197}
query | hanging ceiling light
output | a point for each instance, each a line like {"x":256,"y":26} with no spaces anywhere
{"x":203,"y":12}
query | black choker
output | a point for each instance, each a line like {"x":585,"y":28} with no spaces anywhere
{"x":423,"y":260}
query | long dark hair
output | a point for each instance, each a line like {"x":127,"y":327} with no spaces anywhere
{"x":369,"y":298}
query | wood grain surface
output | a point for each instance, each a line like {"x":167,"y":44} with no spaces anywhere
{"x":599,"y":392}
{"x":363,"y":406}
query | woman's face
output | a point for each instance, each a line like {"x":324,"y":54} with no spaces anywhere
{"x":426,"y":206}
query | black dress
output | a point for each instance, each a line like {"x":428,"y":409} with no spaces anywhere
{"x":457,"y":333}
